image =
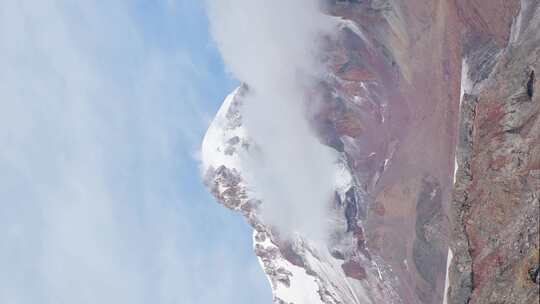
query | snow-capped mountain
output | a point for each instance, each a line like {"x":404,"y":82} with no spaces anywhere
{"x":300,"y":270}
{"x":394,"y":101}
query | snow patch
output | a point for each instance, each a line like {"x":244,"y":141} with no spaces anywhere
{"x":455,"y":168}
{"x":466,"y":87}
{"x":303,"y":288}
{"x":218,"y":136}
{"x":351,"y":25}
{"x":447,"y":282}
{"x":515,"y":30}
{"x":466,"y":83}
{"x":386,"y":162}
{"x":344,"y":179}
{"x":349,"y":290}
{"x":265,"y":243}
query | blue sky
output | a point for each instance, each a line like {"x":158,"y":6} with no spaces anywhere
{"x":104,"y":106}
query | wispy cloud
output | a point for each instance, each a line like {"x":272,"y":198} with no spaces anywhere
{"x":273,"y":47}
{"x":97,"y":125}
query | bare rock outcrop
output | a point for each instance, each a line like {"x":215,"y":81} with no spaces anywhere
{"x":495,"y":208}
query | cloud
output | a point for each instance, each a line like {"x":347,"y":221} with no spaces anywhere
{"x":273,"y":47}
{"x":96,"y":123}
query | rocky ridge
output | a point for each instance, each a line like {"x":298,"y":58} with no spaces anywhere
{"x":495,"y":202}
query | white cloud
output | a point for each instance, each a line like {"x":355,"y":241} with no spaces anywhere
{"x":90,"y":123}
{"x":273,"y":47}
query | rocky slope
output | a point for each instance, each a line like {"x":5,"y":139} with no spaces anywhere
{"x":496,"y":197}
{"x":409,"y":84}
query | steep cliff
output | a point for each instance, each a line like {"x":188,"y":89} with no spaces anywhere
{"x":495,"y":206}
{"x":431,"y":111}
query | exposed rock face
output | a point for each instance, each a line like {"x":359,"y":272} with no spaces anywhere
{"x":391,"y":108}
{"x":497,"y":190}
{"x":399,"y":81}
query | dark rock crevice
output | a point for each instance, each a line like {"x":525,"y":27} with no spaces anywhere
{"x":534,"y":274}
{"x":530,"y":85}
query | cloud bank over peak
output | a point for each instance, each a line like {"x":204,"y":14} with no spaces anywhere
{"x":273,"y":46}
